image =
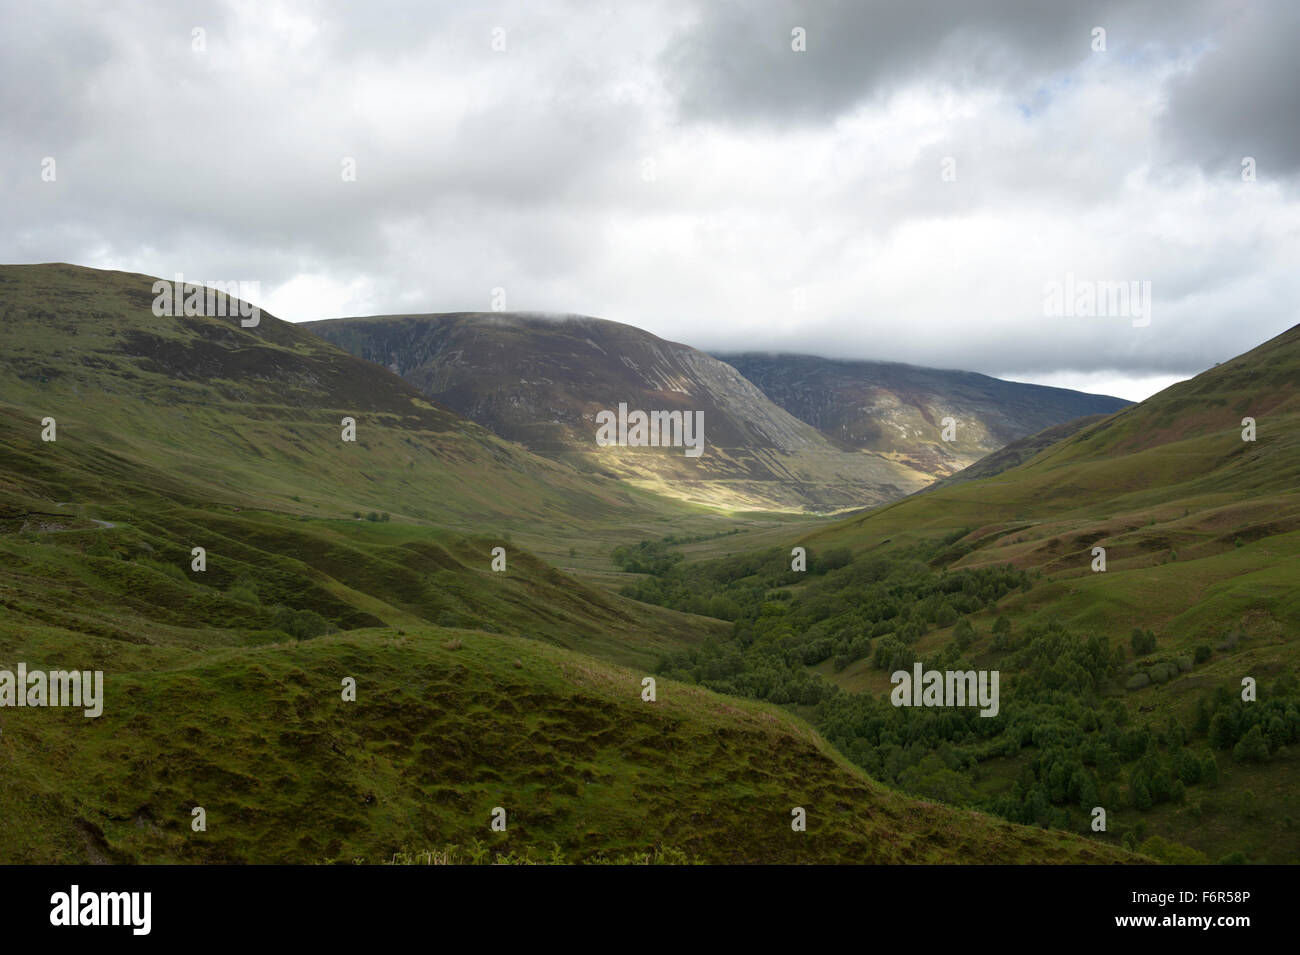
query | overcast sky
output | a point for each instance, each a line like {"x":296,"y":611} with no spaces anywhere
{"x":903,"y":188}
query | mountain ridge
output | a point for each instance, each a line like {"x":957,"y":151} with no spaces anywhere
{"x":542,"y":381}
{"x":897,"y":407}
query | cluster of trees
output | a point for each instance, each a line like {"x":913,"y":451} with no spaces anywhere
{"x":1254,"y":731}
{"x":1143,"y":641}
{"x":1059,"y":718}
{"x":647,"y":557}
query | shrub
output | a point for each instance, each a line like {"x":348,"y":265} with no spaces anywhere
{"x":1210,"y":770}
{"x":1221,"y":731}
{"x":300,"y":624}
{"x":99,"y":547}
{"x":170,"y":570}
{"x":1252,"y":748}
{"x":833,"y":559}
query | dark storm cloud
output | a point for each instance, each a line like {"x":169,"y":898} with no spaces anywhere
{"x":1243,"y":97}
{"x":736,"y":62}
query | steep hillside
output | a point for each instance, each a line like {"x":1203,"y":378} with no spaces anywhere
{"x":1181,"y":449}
{"x":225,"y":684}
{"x":1135,"y":585}
{"x":899,"y":409}
{"x":174,"y":433}
{"x":1017,"y":452}
{"x":244,"y":414}
{"x":542,"y":381}
{"x":204,"y":410}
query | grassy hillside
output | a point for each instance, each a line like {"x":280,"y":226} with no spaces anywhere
{"x":185,"y":432}
{"x":1017,"y":452}
{"x":1121,"y":688}
{"x":447,"y":725}
{"x":199,"y":409}
{"x":326,"y":561}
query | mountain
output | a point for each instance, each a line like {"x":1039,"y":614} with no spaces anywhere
{"x":542,"y":381}
{"x":193,"y":431}
{"x":259,"y":407}
{"x":1134,"y":585}
{"x":1181,"y":449}
{"x":899,"y":409}
{"x":225,"y":686}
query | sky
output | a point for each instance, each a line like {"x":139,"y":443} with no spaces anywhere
{"x":1103,"y":196}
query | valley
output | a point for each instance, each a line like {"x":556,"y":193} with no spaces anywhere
{"x":1124,"y":669}
{"x":479,"y":688}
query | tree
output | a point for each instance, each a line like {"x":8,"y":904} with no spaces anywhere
{"x":1202,"y":725}
{"x":1141,"y":794}
{"x":1142,"y":641}
{"x":1002,"y":634}
{"x":1176,"y":735}
{"x":1188,"y":767}
{"x":1221,"y":731}
{"x":1210,"y":770}
{"x":1252,"y":747}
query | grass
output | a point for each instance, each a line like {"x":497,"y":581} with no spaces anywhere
{"x":475,"y":689}
{"x":288,"y":772}
{"x":1202,"y":539}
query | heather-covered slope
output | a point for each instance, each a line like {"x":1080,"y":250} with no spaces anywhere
{"x":542,"y":380}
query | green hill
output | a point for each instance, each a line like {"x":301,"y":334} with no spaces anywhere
{"x":474,"y":688}
{"x":201,"y":407}
{"x":446,"y":727}
{"x":1119,"y":687}
{"x":185,"y":432}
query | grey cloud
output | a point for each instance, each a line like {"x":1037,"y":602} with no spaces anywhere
{"x":736,"y":62}
{"x":477,"y":170}
{"x":1243,"y":97}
